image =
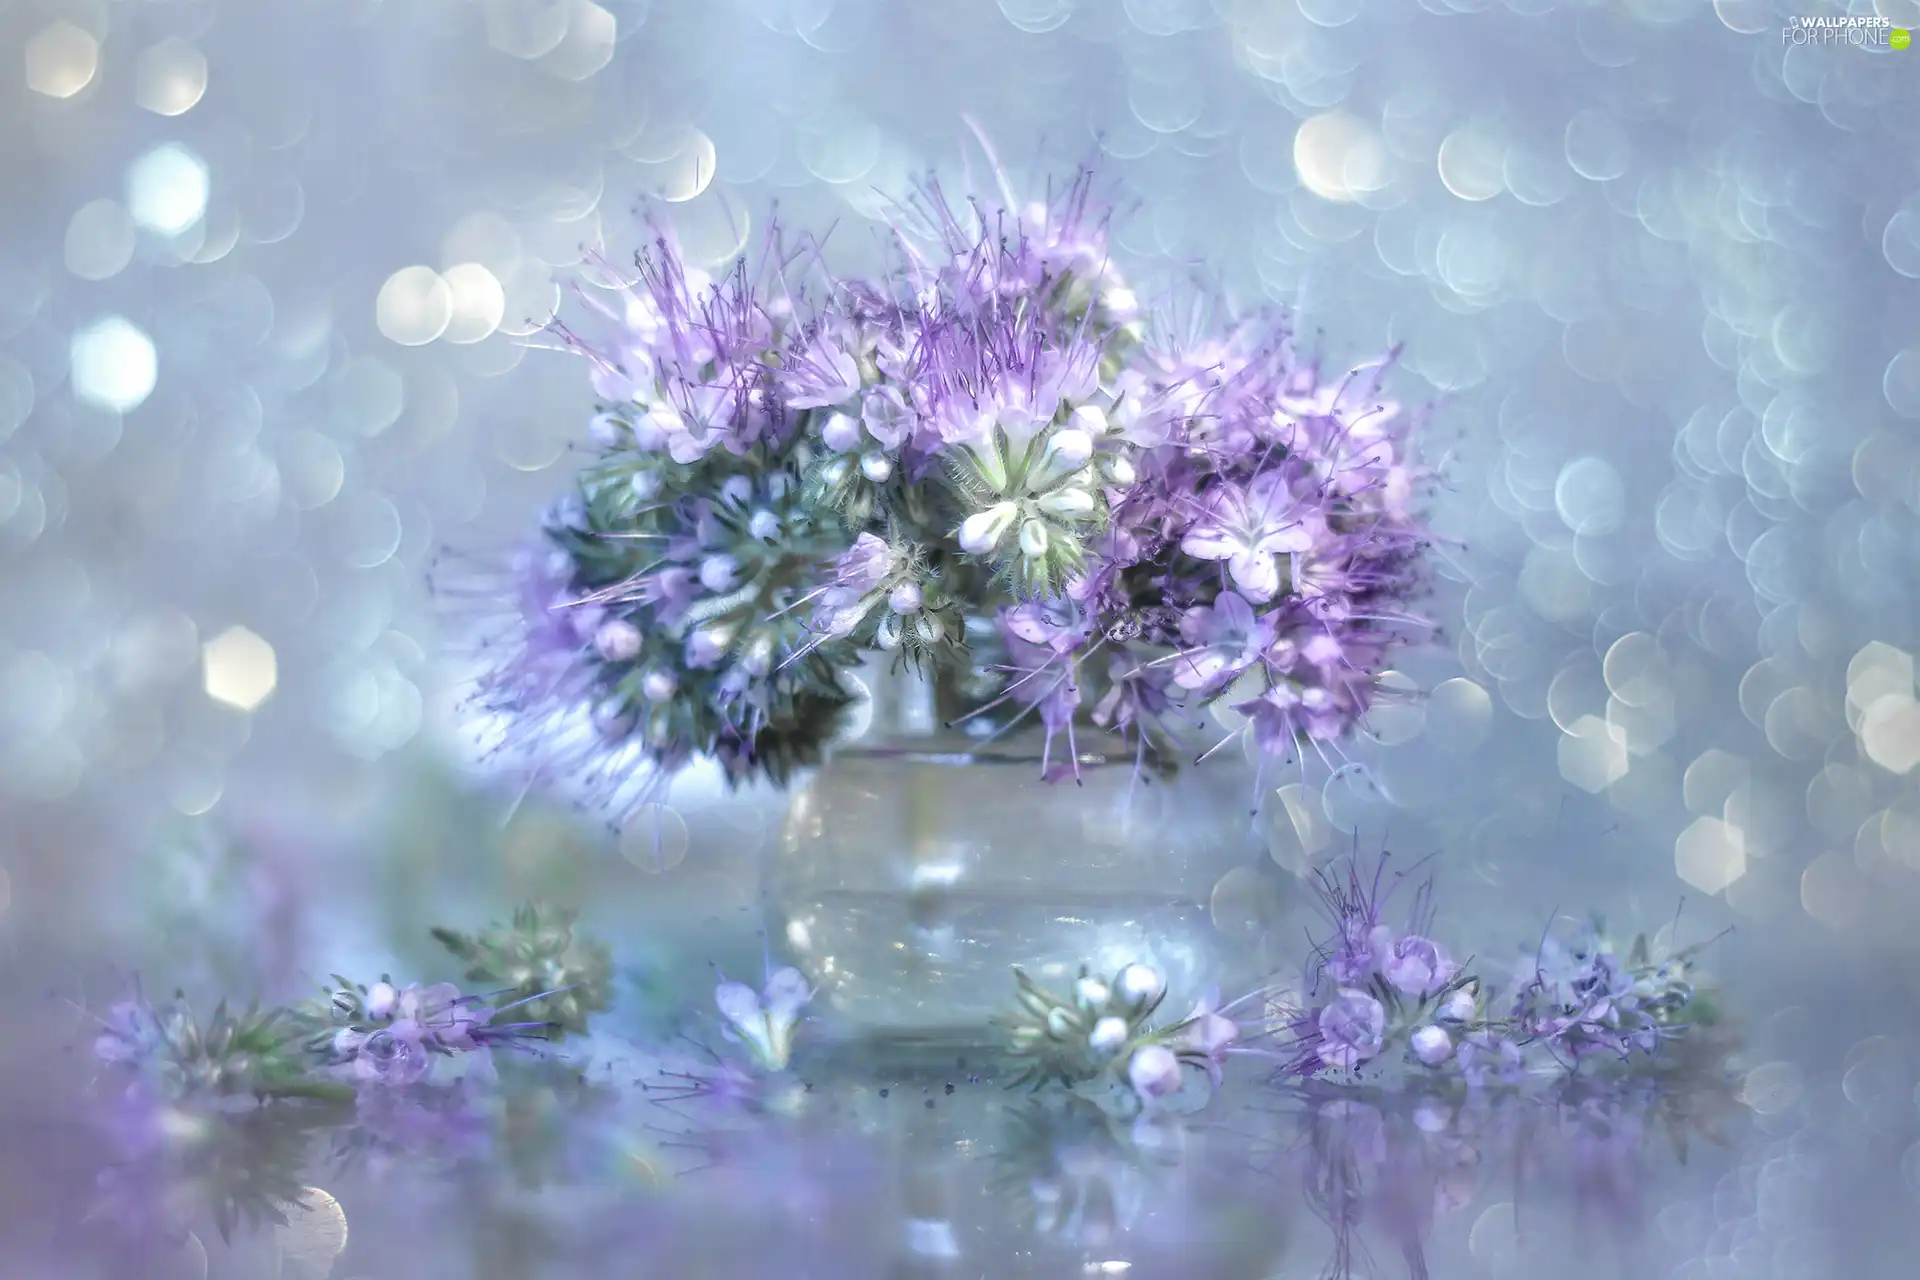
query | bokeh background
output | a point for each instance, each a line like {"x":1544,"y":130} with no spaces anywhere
{"x":272,"y":275}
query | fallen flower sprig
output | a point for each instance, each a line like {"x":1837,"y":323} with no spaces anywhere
{"x":388,"y":1035}
{"x":1377,"y":998}
{"x":556,"y":975}
{"x":1380,"y":996}
{"x":169,"y":1052}
{"x":1105,"y":1027}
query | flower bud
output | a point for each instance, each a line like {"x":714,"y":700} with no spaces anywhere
{"x":717,"y":573}
{"x":1068,"y":504}
{"x":645,"y":485}
{"x":382,"y":999}
{"x":1154,"y":1071}
{"x":888,"y":634}
{"x":1138,"y":986}
{"x":612,"y":720}
{"x":1060,"y":1024}
{"x":1091,"y":994}
{"x":876,"y":467}
{"x":836,"y":470}
{"x":737,"y":490}
{"x":1068,"y":450}
{"x":991,"y":465}
{"x":1090,"y":418}
{"x":1432,"y":1045}
{"x":929,"y":628}
{"x":981,"y":532}
{"x":1119,"y":471}
{"x":617,"y":640}
{"x":658,"y":686}
{"x":1034,"y":539}
{"x":1458,"y":1007}
{"x":765,"y":526}
{"x":1109,"y":1036}
{"x":905,"y":598}
{"x":841,"y":433}
{"x":707,"y":645}
{"x":757,"y":656}
{"x":1120,"y":302}
{"x":607,"y":431}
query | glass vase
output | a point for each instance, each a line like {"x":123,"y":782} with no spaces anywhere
{"x":920,"y":864}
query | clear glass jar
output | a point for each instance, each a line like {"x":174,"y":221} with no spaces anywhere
{"x":919,"y":865}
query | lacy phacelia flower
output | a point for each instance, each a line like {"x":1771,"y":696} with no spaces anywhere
{"x":1352,"y":1029}
{"x":1576,"y":1000}
{"x":764,"y":1021}
{"x":1105,"y":1026}
{"x":983,"y":462}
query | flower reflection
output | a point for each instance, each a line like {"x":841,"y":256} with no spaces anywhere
{"x":175,"y":1163}
{"x":1383,"y":1165}
{"x":1086,"y":1176}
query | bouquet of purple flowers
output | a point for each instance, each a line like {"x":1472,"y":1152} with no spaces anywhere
{"x":987,"y":464}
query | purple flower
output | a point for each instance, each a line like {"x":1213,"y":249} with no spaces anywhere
{"x":1486,"y":1057}
{"x":884,"y":413}
{"x":1210,"y":1036}
{"x":1352,"y":1028}
{"x":1227,"y":638}
{"x":821,"y":378}
{"x":1247,"y":526}
{"x":1417,"y":967}
{"x":129,"y":1035}
{"x":1062,"y":624}
{"x":393,"y":1056}
{"x":1361,"y":944}
{"x":764,"y":1020}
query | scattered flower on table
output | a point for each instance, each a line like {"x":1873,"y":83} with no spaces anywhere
{"x":557,"y":975}
{"x":388,"y":1036}
{"x":1381,"y":996}
{"x":763,"y":1021}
